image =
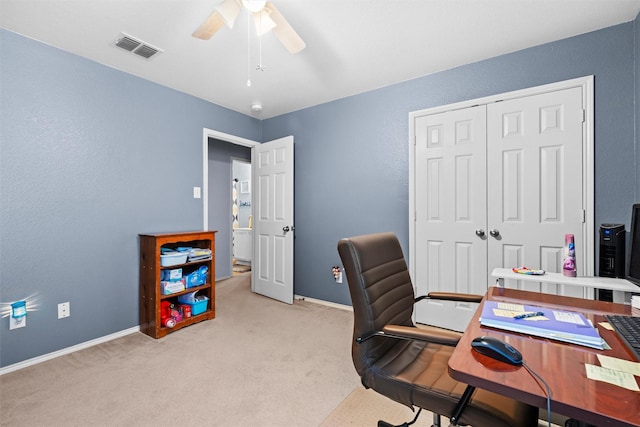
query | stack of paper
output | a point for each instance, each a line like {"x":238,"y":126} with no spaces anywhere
{"x":567,"y":326}
{"x":195,"y":254}
{"x":199,"y":254}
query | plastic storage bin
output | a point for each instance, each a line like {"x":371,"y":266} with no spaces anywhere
{"x":172,"y":258}
{"x":199,"y":306}
{"x":198,"y":303}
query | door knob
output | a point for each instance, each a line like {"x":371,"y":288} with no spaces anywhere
{"x":494,"y":233}
{"x":480,"y":232}
{"x":285,"y":228}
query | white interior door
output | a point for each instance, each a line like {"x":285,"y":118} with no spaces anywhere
{"x":273,"y":219}
{"x":535,"y":192}
{"x":451,"y":208}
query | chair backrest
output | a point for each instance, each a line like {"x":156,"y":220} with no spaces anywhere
{"x":381,"y":292}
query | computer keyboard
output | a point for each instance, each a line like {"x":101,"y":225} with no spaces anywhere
{"x":628,"y":328}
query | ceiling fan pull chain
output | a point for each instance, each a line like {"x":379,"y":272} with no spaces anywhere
{"x":260,"y":66}
{"x":248,"y":50}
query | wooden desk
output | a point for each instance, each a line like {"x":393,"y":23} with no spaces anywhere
{"x":560,"y":364}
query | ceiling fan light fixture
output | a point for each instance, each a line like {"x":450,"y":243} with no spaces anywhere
{"x":229,"y":11}
{"x":254,"y":5}
{"x":266,"y":18}
{"x":256,"y":108}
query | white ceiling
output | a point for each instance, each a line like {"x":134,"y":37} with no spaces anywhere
{"x":352,"y":45}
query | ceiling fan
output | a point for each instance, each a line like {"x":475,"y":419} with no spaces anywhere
{"x":266,"y":18}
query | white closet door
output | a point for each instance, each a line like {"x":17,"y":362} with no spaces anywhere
{"x":450,"y":206}
{"x":535,"y":193}
{"x":510,"y":170}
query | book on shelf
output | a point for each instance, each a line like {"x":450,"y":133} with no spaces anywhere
{"x":545,"y":322}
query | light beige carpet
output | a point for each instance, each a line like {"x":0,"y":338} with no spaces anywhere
{"x":258,"y":363}
{"x":363,"y":408}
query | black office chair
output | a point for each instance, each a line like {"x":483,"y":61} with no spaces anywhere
{"x":405,"y":363}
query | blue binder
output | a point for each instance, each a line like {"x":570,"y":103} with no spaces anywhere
{"x":559,"y":325}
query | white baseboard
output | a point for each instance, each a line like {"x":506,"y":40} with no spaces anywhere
{"x":321,"y":302}
{"x":62,"y":352}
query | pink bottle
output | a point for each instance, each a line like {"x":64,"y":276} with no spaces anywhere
{"x":569,"y":260}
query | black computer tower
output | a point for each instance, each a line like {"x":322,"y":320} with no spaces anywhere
{"x":612,"y":255}
{"x":612,"y":250}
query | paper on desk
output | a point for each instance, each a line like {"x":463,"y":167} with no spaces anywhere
{"x":619,"y":364}
{"x":607,"y":326}
{"x":511,"y":307}
{"x":568,"y":317}
{"x":504,"y":309}
{"x":621,"y":379}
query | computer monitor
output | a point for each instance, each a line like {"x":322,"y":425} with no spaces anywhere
{"x":634,"y":247}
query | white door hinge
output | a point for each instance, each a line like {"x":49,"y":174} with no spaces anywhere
{"x":583,"y":216}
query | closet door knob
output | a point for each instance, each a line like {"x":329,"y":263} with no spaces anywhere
{"x":480,"y":232}
{"x":494,"y":233}
{"x":285,"y":228}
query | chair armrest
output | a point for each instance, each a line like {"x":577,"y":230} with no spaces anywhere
{"x":451,"y":296}
{"x":444,"y":337}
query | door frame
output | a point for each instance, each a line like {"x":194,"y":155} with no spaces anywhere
{"x":588,"y":178}
{"x":226,"y":137}
{"x":247,"y":162}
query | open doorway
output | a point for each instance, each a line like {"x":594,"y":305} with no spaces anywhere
{"x":220,"y":156}
{"x":242,"y":217}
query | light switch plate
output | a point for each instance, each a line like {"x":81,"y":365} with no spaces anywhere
{"x":196,"y":192}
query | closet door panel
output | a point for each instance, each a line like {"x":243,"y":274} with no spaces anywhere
{"x":450,"y":206}
{"x":534,"y":155}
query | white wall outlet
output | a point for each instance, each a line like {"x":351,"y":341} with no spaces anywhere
{"x":196,"y":192}
{"x":64,"y":310}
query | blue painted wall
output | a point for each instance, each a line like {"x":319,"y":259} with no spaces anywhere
{"x":90,"y":157}
{"x":636,"y":54}
{"x":352,"y":154}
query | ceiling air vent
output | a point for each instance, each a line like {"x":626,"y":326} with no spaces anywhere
{"x":145,"y":51}
{"x":136,"y":46}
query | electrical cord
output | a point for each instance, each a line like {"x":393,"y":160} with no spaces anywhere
{"x":539,"y":380}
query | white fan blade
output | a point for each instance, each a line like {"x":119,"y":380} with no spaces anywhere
{"x":229,"y":11}
{"x":285,"y":32}
{"x":209,"y":27}
{"x":263,"y":22}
